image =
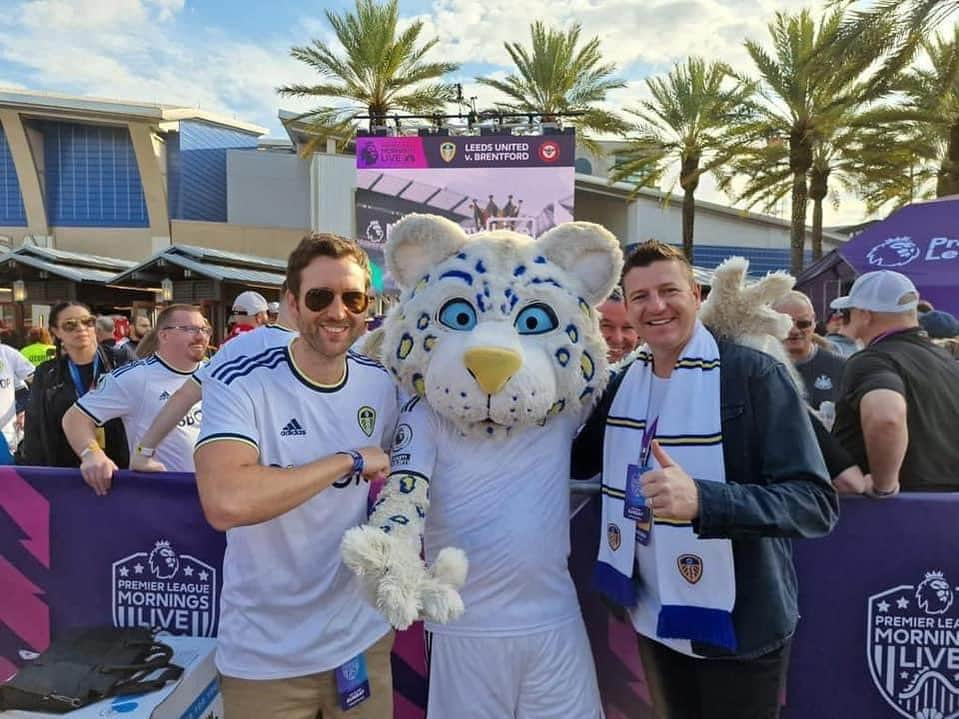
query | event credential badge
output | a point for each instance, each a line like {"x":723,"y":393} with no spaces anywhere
{"x":352,"y":683}
{"x":635,"y":503}
{"x":913,"y":633}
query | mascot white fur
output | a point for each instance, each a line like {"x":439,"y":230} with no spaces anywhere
{"x":496,"y":339}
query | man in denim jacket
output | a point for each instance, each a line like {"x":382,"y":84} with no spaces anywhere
{"x":776,"y":488}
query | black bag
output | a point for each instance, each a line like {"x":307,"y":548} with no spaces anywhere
{"x":88,"y":665}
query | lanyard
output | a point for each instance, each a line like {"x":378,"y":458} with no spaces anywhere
{"x":648,"y":435}
{"x":78,"y":381}
{"x":890,"y":333}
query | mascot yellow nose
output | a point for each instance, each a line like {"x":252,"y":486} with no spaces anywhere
{"x":492,"y":367}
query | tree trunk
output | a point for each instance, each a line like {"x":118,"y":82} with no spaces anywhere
{"x":689,"y":219}
{"x":800,"y":160}
{"x":689,"y":181}
{"x":818,"y":190}
{"x":947,"y":182}
{"x":797,"y":232}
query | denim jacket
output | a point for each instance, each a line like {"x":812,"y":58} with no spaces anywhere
{"x":777,"y":488}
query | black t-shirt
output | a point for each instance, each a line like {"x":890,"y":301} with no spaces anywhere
{"x":907,"y":363}
{"x":821,"y":374}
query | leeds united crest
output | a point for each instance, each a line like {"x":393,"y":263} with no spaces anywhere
{"x":613,"y":536}
{"x":690,"y":566}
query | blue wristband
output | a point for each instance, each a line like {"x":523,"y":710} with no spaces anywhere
{"x":358,"y":463}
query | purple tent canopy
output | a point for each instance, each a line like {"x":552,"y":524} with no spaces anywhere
{"x":921,"y":241}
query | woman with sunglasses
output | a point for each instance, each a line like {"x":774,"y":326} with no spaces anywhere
{"x":78,"y":365}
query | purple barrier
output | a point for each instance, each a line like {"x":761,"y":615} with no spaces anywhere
{"x":879,"y":635}
{"x":142,"y":555}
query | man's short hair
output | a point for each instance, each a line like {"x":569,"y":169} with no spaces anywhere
{"x":105,"y":323}
{"x":795,"y":297}
{"x":652,"y":251}
{"x":165,"y":316}
{"x":616,"y":295}
{"x":323,"y":244}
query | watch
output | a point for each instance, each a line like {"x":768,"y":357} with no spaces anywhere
{"x":144,"y":451}
{"x":358,"y":463}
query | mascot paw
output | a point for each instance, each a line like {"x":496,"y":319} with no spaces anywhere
{"x":441,"y":602}
{"x":451,"y":566}
{"x":440,"y":599}
{"x":391,"y":571}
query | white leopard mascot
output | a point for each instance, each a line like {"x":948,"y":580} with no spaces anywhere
{"x":496,"y":339}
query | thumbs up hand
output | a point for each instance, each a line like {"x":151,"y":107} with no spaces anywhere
{"x":669,"y":491}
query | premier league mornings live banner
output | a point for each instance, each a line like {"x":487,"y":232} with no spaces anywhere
{"x":879,"y":635}
{"x":504,"y":182}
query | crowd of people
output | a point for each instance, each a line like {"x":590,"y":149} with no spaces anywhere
{"x":864,"y":407}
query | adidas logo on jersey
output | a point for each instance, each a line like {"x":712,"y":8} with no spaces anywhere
{"x":164,"y":395}
{"x":292,"y":429}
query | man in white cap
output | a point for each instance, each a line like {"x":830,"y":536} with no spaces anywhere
{"x":250,"y":310}
{"x":899,"y":398}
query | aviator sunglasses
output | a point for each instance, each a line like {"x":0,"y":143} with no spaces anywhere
{"x":803,"y":324}
{"x":74,"y":323}
{"x":319,"y":298}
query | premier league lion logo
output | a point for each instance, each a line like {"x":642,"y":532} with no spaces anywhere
{"x":910,"y":648}
{"x":894,"y":252}
{"x":369,"y":154}
{"x":163,"y":561}
{"x":934,"y":594}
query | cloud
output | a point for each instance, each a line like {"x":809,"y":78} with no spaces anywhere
{"x":137,"y":50}
{"x":153,"y":50}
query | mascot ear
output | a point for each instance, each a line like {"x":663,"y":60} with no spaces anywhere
{"x":588,"y":252}
{"x":419,"y":242}
{"x":771,"y":288}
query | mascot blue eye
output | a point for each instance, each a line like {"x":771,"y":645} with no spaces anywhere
{"x":458,"y":315}
{"x":535,"y":320}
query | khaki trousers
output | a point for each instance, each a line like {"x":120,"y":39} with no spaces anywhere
{"x":313,"y":696}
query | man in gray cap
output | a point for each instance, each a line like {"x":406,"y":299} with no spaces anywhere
{"x":899,"y":397}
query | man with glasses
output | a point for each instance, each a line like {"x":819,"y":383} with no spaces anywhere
{"x":137,"y":392}
{"x":820,"y":369}
{"x":289,"y":436}
{"x":278,"y":333}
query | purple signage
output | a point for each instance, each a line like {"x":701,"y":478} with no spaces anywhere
{"x":920,"y":241}
{"x":521,"y":183}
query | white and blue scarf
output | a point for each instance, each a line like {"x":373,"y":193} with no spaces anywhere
{"x":695,"y":584}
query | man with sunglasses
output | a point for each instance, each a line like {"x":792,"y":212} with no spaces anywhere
{"x":137,"y":392}
{"x":289,"y":436}
{"x":820,"y":369}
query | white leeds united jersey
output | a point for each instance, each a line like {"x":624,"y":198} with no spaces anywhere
{"x":136,"y":393}
{"x":245,"y":345}
{"x":290,"y":607}
{"x":14,"y":369}
{"x":506,"y":504}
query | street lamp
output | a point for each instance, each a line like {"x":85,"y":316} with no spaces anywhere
{"x":19,"y":291}
{"x":166,"y":289}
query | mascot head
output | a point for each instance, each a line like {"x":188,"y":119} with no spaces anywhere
{"x":497,"y":329}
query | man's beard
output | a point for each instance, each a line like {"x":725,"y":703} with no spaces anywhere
{"x":312,"y":335}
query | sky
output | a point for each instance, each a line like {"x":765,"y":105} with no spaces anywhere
{"x":229,"y":56}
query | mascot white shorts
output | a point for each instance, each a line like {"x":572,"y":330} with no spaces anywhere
{"x":545,"y":675}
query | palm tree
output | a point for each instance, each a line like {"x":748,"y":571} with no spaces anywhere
{"x":924,"y":127}
{"x":912,"y":21}
{"x":555,"y":76}
{"x":684,"y":123}
{"x":807,"y":92}
{"x":379,"y":70}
